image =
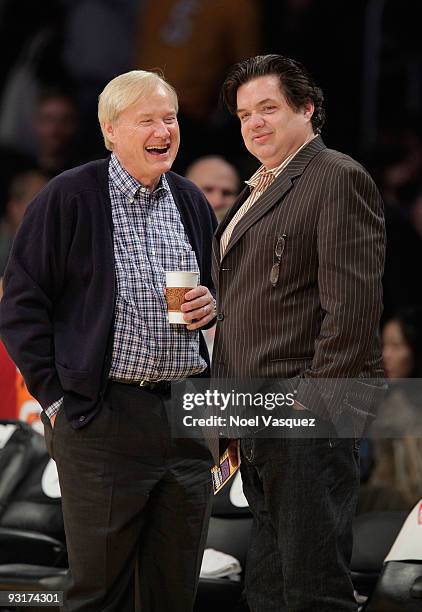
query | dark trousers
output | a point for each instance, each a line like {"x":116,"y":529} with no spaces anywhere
{"x":302,"y":493}
{"x":136,"y":505}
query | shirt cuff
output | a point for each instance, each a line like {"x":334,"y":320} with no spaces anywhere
{"x":298,"y":406}
{"x":54,"y":408}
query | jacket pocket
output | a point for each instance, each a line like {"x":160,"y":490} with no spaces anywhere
{"x":76,"y":381}
{"x":71,"y":373}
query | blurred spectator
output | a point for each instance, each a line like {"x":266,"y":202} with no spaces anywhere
{"x":217,"y":179}
{"x":54,"y":136}
{"x":398,"y":471}
{"x":194,"y":42}
{"x":23,"y":188}
{"x":56,"y":129}
{"x":402,"y":345}
{"x":398,"y":457}
{"x":401,"y":412}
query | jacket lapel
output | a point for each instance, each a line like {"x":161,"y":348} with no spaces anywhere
{"x":276,"y":192}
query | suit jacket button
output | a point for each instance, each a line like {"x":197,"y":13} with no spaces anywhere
{"x":82,"y":418}
{"x":220,"y":316}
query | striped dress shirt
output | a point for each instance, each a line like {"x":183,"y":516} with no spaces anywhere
{"x":258,"y":183}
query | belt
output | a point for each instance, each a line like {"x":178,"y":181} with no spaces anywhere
{"x":159,"y":386}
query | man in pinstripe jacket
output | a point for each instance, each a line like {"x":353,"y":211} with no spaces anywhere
{"x":298,"y":262}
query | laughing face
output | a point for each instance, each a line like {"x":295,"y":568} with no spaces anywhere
{"x":271,"y":129}
{"x":146,"y":137}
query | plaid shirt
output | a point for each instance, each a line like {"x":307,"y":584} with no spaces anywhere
{"x":149,"y":239}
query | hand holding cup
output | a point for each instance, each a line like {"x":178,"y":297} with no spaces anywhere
{"x":188,"y":303}
{"x":199,"y":307}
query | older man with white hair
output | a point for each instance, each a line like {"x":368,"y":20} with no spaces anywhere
{"x":84,"y":317}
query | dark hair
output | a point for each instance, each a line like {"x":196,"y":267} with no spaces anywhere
{"x":410,"y":322}
{"x":295,"y":82}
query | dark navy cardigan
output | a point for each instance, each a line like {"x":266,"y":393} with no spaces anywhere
{"x":56,"y":315}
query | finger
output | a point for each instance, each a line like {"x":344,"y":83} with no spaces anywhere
{"x":196,"y":304}
{"x":196,"y":292}
{"x":200,"y":322}
{"x":198,"y":313}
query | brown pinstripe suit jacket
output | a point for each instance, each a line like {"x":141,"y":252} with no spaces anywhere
{"x":321,"y":319}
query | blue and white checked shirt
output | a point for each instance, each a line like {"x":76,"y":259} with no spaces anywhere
{"x":149,"y":238}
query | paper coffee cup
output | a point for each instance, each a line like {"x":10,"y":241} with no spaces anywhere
{"x":177,"y":285}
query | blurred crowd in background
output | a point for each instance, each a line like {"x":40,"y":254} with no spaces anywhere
{"x":366,"y":55}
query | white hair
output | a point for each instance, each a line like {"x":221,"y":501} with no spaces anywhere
{"x":123,"y":91}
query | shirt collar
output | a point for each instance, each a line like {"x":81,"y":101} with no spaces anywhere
{"x":258,"y":176}
{"x":128,"y":185}
{"x":263,"y":171}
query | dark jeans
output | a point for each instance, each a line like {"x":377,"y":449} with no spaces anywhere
{"x":136,"y":505}
{"x":303,"y":494}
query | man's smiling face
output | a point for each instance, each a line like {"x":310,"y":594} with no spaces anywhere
{"x":271,"y":129}
{"x":146,"y":136}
